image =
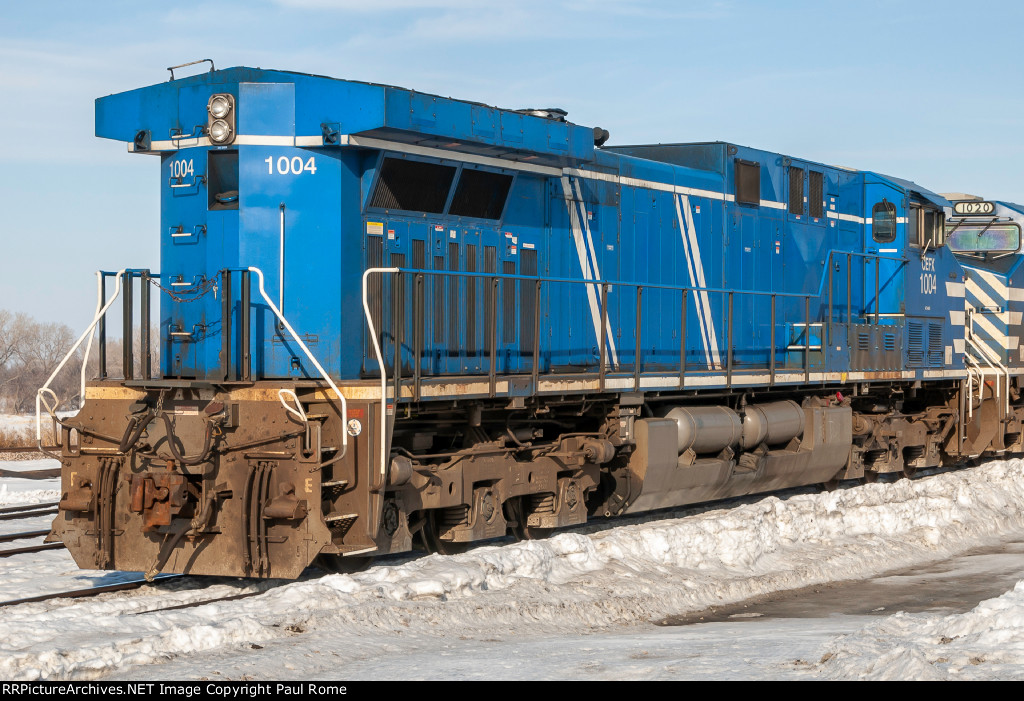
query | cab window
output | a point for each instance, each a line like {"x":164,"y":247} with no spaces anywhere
{"x":983,"y":239}
{"x":925,"y":227}
{"x":883,"y":222}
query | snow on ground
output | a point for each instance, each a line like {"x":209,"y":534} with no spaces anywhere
{"x":15,"y":491}
{"x":18,"y":423}
{"x":984,"y":643}
{"x":525,"y":610}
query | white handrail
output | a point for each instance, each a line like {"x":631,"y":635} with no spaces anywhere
{"x":296,"y":410}
{"x":88,"y":344}
{"x":383,"y":373}
{"x":100,"y":313}
{"x":317,"y":365}
{"x":970,"y":383}
{"x":1000,"y":370}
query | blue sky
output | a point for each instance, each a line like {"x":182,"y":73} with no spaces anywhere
{"x":929,"y":91}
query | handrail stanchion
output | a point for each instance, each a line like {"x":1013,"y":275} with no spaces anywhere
{"x":807,"y":338}
{"x":603,"y":341}
{"x":536,"y":337}
{"x":225,"y":323}
{"x":849,"y":293}
{"x":246,"y":321}
{"x":88,"y":345}
{"x":492,"y":379}
{"x":682,"y":341}
{"x":828,"y":327}
{"x":771,"y":360}
{"x":728,"y":353}
{"x":417,"y":335}
{"x":639,"y":344}
{"x":102,"y":361}
{"x":397,"y":304}
{"x":127,"y":335}
{"x":144,"y":322}
{"x":877,"y":305}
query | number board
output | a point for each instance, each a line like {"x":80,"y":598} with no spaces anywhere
{"x":974,"y":207}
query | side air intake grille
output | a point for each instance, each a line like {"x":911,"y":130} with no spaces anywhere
{"x":915,"y":343}
{"x":935,"y":344}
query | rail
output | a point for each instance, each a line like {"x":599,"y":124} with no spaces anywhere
{"x":999,"y":371}
{"x":383,"y":371}
{"x":494,"y":287}
{"x":828,"y":278}
{"x":47,"y":399}
{"x":45,"y":390}
{"x":326,"y":376}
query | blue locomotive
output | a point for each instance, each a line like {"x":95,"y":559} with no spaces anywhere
{"x":390,"y":318}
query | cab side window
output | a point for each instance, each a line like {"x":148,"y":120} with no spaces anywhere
{"x":933,"y":228}
{"x":926,"y":227}
{"x":883,"y":222}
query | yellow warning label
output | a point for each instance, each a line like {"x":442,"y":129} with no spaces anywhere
{"x":375,"y":228}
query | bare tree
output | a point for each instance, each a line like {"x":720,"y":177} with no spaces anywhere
{"x":30,"y":351}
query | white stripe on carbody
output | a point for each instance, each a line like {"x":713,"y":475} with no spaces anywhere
{"x":585,"y":267}
{"x":695,"y":265}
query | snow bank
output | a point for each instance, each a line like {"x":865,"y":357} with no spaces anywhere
{"x":984,"y":643}
{"x":595,"y":578}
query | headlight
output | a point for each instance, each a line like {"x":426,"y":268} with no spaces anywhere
{"x":220,"y":122}
{"x":220,"y":131}
{"x":219,"y":106}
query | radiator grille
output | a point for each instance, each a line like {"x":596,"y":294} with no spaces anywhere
{"x":528,"y":294}
{"x":374,"y":259}
{"x":438,"y":302}
{"x":397,"y":303}
{"x":472,"y":284}
{"x":490,"y":266}
{"x":453,"y":299}
{"x":796,"y":190}
{"x":816,"y":196}
{"x":508,"y":303}
{"x":419,"y":262}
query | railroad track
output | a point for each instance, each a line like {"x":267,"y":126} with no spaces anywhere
{"x":29,"y":449}
{"x":11,"y":513}
{"x":29,"y":474}
{"x":90,"y":591}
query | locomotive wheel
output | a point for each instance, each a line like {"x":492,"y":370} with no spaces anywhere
{"x":869,"y":477}
{"x":430,"y":541}
{"x":520,"y":531}
{"x":338,"y":564}
{"x":832,"y":485}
